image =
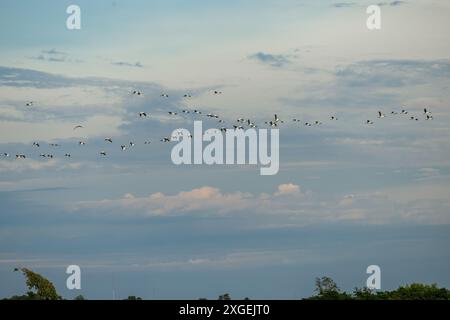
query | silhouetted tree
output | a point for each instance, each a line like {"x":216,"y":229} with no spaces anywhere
{"x":327,"y":289}
{"x":224,"y":296}
{"x":416,"y":291}
{"x":39,"y":288}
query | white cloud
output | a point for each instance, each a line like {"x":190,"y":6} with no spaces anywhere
{"x":288,"y":205}
{"x":26,"y":164}
{"x":23,"y":165}
{"x":94,"y":126}
{"x":288,"y":188}
{"x":191,"y":261}
{"x":200,"y":199}
{"x":10,"y":112}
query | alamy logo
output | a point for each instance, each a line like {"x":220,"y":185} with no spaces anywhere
{"x":74,"y":280}
{"x":235,"y":149}
{"x":73,"y":21}
{"x":374,"y":20}
{"x":374,"y":280}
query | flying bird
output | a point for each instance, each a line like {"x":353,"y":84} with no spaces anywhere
{"x":78,"y":127}
{"x":251,"y":124}
{"x":271,"y":123}
{"x":142,"y":114}
{"x":103,"y":153}
{"x":108,"y":140}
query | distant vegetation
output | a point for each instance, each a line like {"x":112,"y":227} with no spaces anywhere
{"x":40,"y":288}
{"x":327,"y":289}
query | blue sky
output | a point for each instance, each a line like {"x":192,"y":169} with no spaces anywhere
{"x":347,"y":195}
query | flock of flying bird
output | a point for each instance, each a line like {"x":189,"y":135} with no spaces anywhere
{"x":240,"y":124}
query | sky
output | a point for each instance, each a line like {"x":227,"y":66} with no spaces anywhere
{"x":347,"y":195}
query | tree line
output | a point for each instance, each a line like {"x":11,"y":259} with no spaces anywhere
{"x":40,"y":288}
